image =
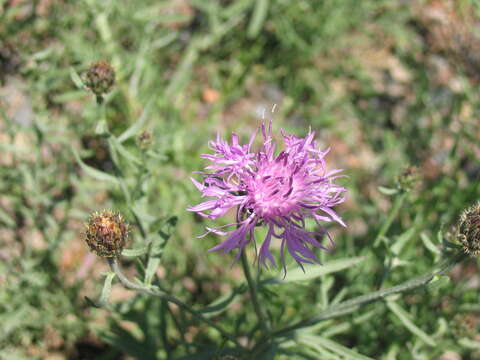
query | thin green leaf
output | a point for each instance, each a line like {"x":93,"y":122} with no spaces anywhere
{"x":387,"y":191}
{"x":158,"y":243}
{"x":404,"y":317}
{"x":222,"y":303}
{"x":135,"y":252}
{"x":97,"y":174}
{"x":334,"y":347}
{"x":402,"y":240}
{"x":135,"y":128}
{"x":152,"y":265}
{"x":77,"y":80}
{"x":68,"y":96}
{"x":107,"y":288}
{"x":430,"y":245}
{"x":258,"y":18}
{"x":123,"y":151}
{"x":315,"y":271}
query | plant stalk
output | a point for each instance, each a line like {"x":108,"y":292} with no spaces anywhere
{"x":252,"y":286}
{"x":350,"y":306}
{"x":155,"y":292}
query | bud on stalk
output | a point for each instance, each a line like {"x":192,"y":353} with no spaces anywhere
{"x":106,"y":233}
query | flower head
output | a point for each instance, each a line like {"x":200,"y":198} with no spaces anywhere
{"x":100,"y":78}
{"x":469,"y":230}
{"x":278,"y":191}
{"x":106,"y":233}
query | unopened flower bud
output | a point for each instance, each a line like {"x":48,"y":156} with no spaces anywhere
{"x":469,"y":230}
{"x":408,"y":178}
{"x":144,"y":140}
{"x":106,"y":233}
{"x":100,"y":78}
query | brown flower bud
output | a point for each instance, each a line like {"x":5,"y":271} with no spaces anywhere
{"x":408,"y":178}
{"x":106,"y":233}
{"x":469,"y":230}
{"x":100,"y":78}
{"x":144,"y":140}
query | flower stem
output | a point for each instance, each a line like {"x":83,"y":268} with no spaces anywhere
{"x":155,"y":292}
{"x":350,"y":306}
{"x":252,"y":286}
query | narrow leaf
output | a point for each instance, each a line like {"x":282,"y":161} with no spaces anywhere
{"x":123,"y":151}
{"x":137,"y":125}
{"x":152,"y":265}
{"x":387,"y":191}
{"x":402,"y":240}
{"x":222,"y":303}
{"x":157,"y":246}
{"x":334,"y":347}
{"x":97,"y":174}
{"x":76,"y":79}
{"x":315,"y":271}
{"x":341,"y":350}
{"x":135,"y":252}
{"x":404,"y":317}
{"x":258,"y":18}
{"x":107,"y":288}
{"x":430,"y":245}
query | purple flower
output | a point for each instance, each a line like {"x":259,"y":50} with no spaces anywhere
{"x":276,"y":191}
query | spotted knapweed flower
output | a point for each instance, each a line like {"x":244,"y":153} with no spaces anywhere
{"x":278,"y":191}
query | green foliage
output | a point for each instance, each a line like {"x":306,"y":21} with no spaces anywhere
{"x":379,"y":82}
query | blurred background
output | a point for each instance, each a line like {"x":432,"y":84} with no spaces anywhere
{"x":385,"y":84}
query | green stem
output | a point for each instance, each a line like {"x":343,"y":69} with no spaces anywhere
{"x":350,"y":306}
{"x":388,"y":222}
{"x":155,"y":292}
{"x":252,"y":286}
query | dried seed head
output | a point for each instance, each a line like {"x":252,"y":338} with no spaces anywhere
{"x":408,"y":178}
{"x":144,"y":140}
{"x":100,"y":78}
{"x":106,"y":233}
{"x":469,"y":230}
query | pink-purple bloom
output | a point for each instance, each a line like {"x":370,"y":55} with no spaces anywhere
{"x":275,"y":191}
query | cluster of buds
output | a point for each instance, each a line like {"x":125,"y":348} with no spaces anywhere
{"x":106,"y":233}
{"x":100,"y":78}
{"x":469,"y":230}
